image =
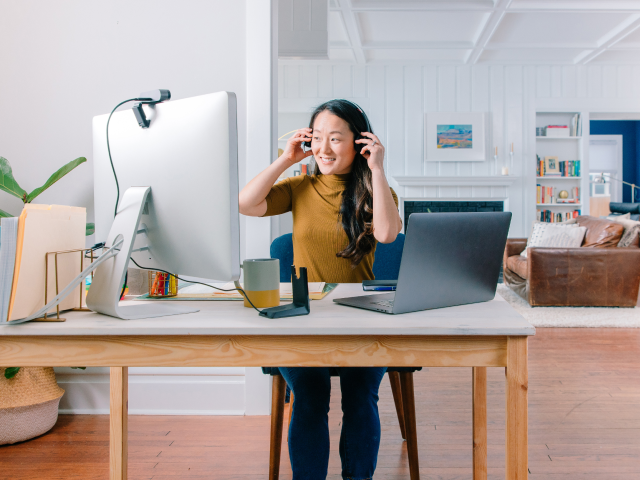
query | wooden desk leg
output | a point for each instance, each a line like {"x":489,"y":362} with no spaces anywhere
{"x":517,"y":429}
{"x":409,"y":406}
{"x":479,"y":423}
{"x":278,"y":390}
{"x":118,"y":423}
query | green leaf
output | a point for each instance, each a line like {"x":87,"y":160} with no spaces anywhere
{"x":11,"y":372}
{"x":55,"y":177}
{"x":7,"y":182}
{"x":4,"y":214}
{"x":91,"y":229}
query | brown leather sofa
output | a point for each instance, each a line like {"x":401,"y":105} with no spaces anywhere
{"x":598,"y":274}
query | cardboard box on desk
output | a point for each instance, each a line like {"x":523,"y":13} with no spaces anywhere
{"x":42,"y":229}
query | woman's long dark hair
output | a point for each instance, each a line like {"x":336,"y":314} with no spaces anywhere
{"x":356,"y":210}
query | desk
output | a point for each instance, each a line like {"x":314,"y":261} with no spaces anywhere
{"x":489,"y":334}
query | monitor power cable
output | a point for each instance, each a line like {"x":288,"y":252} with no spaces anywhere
{"x":155,"y":96}
{"x":200,"y":283}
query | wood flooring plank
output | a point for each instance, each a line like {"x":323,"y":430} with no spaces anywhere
{"x":584,"y":424}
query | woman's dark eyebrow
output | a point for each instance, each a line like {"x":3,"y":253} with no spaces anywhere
{"x":331,"y":133}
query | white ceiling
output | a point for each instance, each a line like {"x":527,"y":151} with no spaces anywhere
{"x":564,"y":32}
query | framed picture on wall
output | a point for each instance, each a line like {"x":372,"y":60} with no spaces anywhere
{"x":454,"y":137}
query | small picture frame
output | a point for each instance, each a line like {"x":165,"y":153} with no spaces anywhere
{"x":551,"y":166}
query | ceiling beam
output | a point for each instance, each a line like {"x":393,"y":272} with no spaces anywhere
{"x":351,"y":24}
{"x":488,"y":30}
{"x":440,"y":6}
{"x":626,"y":28}
{"x":416,"y":45}
{"x":572,"y":6}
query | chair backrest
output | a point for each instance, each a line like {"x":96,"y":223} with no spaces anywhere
{"x":282,"y":249}
{"x":386,"y":265}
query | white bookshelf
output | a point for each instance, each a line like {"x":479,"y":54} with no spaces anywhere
{"x":565,"y":148}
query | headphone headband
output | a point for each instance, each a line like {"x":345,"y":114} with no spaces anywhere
{"x":366,"y":119}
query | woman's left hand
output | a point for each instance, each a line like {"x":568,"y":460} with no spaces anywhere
{"x":372,"y":150}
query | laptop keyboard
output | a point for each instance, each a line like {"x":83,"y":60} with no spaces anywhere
{"x":385,"y":303}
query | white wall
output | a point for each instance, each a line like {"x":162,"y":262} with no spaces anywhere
{"x":63,"y":62}
{"x":396,"y":97}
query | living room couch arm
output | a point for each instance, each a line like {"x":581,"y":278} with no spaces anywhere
{"x":584,"y":276}
{"x":515,"y":246}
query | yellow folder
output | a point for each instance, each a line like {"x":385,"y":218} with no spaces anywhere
{"x":42,"y":229}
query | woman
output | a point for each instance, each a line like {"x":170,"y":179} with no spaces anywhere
{"x":340,"y":212}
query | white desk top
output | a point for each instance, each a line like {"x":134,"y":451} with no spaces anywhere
{"x":496,"y":317}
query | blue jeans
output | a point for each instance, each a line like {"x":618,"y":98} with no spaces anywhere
{"x":309,"y":428}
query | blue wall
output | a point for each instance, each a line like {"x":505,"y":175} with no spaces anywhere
{"x":630,"y":131}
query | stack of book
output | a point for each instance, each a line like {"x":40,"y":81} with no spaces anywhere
{"x":557,"y":131}
{"x":556,"y":217}
{"x":547,"y":195}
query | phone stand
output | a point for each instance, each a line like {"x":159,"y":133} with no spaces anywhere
{"x":300,"y":305}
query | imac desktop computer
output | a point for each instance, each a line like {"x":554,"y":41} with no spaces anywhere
{"x":177,"y":178}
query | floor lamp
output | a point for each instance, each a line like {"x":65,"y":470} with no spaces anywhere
{"x":633,"y":186}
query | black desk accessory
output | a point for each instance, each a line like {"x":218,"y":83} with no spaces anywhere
{"x":300,"y":305}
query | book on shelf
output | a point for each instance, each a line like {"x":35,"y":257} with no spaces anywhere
{"x":576,"y":126}
{"x":548,"y":216}
{"x":567,"y":168}
{"x":546,"y":194}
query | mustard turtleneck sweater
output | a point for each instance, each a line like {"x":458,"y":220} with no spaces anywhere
{"x":317,"y":232}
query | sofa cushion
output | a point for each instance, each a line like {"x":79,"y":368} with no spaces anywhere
{"x":601,"y":233}
{"x":618,"y":207}
{"x":630,"y":237}
{"x":518,"y":265}
{"x":555,"y":235}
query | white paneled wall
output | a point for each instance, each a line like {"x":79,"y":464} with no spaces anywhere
{"x":396,"y":98}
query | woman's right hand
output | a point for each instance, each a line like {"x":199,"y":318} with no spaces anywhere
{"x":293,"y":152}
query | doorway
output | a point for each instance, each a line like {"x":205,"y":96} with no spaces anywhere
{"x":605,"y":163}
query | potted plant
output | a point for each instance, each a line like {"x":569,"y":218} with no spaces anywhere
{"x":29,"y":396}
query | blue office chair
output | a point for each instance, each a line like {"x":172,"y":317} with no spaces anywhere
{"x":386,"y":266}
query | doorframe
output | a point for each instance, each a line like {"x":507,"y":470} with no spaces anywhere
{"x":617,"y":139}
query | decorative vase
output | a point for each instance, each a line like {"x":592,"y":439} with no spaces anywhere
{"x":28,"y":403}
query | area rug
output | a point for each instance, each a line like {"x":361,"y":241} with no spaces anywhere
{"x":571,"y":316}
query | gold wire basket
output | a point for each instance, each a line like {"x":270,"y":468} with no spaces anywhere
{"x":162,"y":285}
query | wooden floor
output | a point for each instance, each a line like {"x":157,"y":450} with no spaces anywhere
{"x":584,"y":423}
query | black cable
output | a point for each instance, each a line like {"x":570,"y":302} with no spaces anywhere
{"x":115,"y":211}
{"x":199,"y":283}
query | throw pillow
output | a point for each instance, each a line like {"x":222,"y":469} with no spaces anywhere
{"x":615,"y":218}
{"x":555,"y":235}
{"x":571,"y":221}
{"x":631,"y":230}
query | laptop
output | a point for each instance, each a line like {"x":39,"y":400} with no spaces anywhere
{"x":448,"y":259}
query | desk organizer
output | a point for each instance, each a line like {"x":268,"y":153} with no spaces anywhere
{"x":82,"y":252}
{"x":162,"y":285}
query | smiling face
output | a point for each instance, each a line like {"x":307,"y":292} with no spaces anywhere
{"x":332,"y":144}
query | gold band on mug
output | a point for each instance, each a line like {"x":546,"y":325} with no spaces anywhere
{"x":263,"y":299}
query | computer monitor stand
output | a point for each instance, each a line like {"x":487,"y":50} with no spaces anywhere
{"x":106,"y":287}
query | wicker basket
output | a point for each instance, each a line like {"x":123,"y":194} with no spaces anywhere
{"x":28,"y":403}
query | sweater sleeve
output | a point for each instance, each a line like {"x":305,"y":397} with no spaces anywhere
{"x":395,"y":197}
{"x":280,"y":197}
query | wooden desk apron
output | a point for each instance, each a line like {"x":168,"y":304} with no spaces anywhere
{"x":227,"y":334}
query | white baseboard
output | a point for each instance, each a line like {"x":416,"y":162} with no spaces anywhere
{"x":88,"y":393}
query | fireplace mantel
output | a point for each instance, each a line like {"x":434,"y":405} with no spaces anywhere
{"x":486,"y":181}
